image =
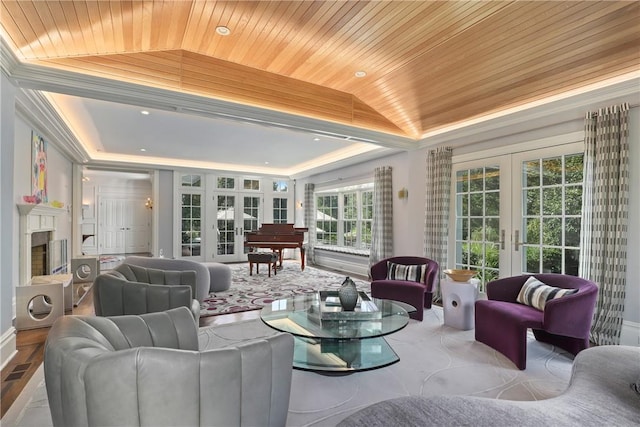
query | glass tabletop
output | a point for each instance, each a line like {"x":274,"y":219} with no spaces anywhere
{"x":318,"y":315}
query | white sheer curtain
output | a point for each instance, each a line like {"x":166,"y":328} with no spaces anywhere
{"x":605,"y":207}
{"x":382,"y":223}
{"x":310,"y":221}
{"x":437,"y":209}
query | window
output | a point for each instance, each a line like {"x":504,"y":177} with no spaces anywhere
{"x":327,"y":219}
{"x":251,"y":184}
{"x":366,"y":220}
{"x":225,"y":183}
{"x":350,"y":219}
{"x":191,"y":180}
{"x":280,"y":186}
{"x":344,"y":216}
{"x":280,"y":209}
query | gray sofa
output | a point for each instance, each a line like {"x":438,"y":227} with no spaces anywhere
{"x":602,"y":392}
{"x":148,"y":370}
{"x":130,"y":289}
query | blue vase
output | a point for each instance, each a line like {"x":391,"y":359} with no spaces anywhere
{"x":348,"y":295}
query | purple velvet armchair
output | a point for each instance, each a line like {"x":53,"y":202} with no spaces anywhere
{"x":417,"y":294}
{"x":502,"y":323}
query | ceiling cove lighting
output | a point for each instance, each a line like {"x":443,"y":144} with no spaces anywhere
{"x":222,"y":30}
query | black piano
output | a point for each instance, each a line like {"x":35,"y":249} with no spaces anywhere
{"x":277,"y":237}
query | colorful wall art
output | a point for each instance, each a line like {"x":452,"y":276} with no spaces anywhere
{"x":39,"y":168}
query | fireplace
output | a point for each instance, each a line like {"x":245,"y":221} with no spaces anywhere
{"x":39,"y":254}
{"x":38,"y":224}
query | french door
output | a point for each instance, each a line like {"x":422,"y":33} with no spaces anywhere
{"x":236,"y":214}
{"x":518,"y":213}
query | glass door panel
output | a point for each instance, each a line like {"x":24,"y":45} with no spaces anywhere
{"x":551,"y":208}
{"x":236,"y":215}
{"x":478,"y":231}
{"x":226,"y":226}
{"x":191,"y":230}
{"x":251,"y":216}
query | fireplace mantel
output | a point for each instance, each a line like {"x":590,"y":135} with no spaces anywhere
{"x":39,"y":209}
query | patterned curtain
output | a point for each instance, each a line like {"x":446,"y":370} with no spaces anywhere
{"x":436,"y":225}
{"x":382,"y":223}
{"x":310,"y":221}
{"x":605,"y":206}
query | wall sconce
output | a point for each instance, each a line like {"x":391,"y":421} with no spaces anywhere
{"x":403,"y":194}
{"x":149,"y":203}
{"x":299,"y":205}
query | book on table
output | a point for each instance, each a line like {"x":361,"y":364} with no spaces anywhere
{"x":330,"y":308}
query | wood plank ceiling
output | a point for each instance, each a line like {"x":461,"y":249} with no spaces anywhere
{"x":429,"y":63}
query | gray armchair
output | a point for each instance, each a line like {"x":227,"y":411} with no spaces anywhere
{"x":148,"y":370}
{"x":130,"y":289}
{"x":202,"y":284}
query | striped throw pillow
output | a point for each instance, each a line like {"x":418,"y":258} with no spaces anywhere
{"x":534,"y":293}
{"x":412,"y":273}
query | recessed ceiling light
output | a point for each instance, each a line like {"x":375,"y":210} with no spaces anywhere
{"x":144,"y":112}
{"x":266,"y":163}
{"x":360,"y":74}
{"x":143,"y":149}
{"x":223,"y":31}
{"x":316,"y":139}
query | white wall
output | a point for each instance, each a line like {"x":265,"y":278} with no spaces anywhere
{"x":8,"y":256}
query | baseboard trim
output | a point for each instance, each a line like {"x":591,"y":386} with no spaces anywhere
{"x":8,"y":347}
{"x":630,"y":334}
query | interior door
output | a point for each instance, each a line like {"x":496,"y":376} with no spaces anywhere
{"x":137,"y":224}
{"x":124,"y":226}
{"x":518,"y":213}
{"x":236,"y":214}
{"x":111,"y":226}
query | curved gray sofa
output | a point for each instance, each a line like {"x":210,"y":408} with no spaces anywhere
{"x":131,"y":289}
{"x":600,"y":393}
{"x":202,"y":272}
{"x":148,"y":370}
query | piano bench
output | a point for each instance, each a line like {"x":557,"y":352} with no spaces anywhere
{"x":257,"y":258}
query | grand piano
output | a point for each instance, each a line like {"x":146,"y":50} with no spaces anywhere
{"x":277,"y":237}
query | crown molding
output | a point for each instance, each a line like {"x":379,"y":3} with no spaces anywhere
{"x":36,"y":110}
{"x":36,"y":77}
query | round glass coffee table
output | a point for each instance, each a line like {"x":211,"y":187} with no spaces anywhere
{"x":328,"y":339}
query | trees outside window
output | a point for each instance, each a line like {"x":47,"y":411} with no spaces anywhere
{"x":343,"y":217}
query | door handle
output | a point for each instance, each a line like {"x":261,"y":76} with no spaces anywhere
{"x":502,"y":241}
{"x":517,"y":243}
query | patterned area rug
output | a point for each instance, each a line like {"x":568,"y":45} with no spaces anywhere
{"x":253,"y":292}
{"x":109,"y":262}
